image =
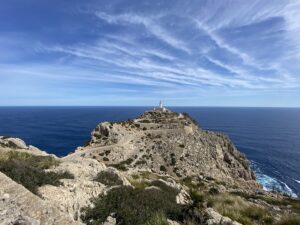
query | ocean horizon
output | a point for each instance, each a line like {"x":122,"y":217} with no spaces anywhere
{"x":268,"y":136}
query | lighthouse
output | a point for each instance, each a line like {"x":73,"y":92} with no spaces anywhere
{"x":161,"y":105}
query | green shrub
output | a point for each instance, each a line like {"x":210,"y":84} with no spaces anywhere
{"x":197,"y":197}
{"x":31,"y":177}
{"x":162,"y":168}
{"x":213,"y":191}
{"x":144,"y":121}
{"x":133,"y":206}
{"x":157,"y":219}
{"x":140,"y":162}
{"x":108,"y":178}
{"x":123,"y":164}
{"x":173,"y":159}
{"x":107,"y":152}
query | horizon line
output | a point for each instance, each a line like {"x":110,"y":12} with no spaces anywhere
{"x":190,"y":106}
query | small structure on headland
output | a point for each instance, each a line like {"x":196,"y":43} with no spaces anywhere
{"x":161,"y":107}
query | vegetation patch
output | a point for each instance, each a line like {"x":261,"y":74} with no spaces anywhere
{"x":105,"y":159}
{"x":283,"y":202}
{"x":173,"y":159}
{"x":144,"y":121}
{"x":289,"y":219}
{"x":141,"y":162}
{"x":135,"y":206}
{"x":28,"y":170}
{"x":163,"y":168}
{"x":107,"y":152}
{"x":239,"y":210}
{"x":122,"y":165}
{"x":108,"y":178}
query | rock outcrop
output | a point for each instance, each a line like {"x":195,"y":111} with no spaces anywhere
{"x":216,"y":218}
{"x":167,"y":142}
{"x":20,"y":206}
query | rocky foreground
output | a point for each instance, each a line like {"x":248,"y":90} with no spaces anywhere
{"x":160,"y":168}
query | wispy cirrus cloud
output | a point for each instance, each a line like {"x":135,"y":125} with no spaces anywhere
{"x":162,"y":47}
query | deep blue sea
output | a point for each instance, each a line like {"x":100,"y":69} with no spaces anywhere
{"x":270,"y":137}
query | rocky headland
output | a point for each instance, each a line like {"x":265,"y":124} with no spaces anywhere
{"x":160,"y":168}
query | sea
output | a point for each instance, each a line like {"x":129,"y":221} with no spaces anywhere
{"x":269,"y":137}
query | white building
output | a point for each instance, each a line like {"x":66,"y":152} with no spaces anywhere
{"x":161,"y":107}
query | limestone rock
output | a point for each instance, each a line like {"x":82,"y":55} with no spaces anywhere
{"x":75,"y":193}
{"x":168,"y":143}
{"x":20,"y":206}
{"x":217,"y":219}
{"x":11,"y":142}
{"x":110,"y":221}
{"x":172,"y":222}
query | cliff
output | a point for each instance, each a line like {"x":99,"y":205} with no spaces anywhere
{"x":167,"y":143}
{"x":160,"y":168}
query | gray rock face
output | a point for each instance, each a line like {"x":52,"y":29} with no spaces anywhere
{"x":20,"y":206}
{"x":167,"y":142}
{"x":11,"y":142}
{"x":19,"y":144}
{"x":217,"y":219}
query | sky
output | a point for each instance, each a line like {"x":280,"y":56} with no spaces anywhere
{"x":135,"y":53}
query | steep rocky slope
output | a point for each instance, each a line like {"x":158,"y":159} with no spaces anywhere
{"x":167,"y":142}
{"x":160,"y":168}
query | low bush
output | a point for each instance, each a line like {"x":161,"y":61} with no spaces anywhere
{"x":107,"y":152}
{"x":134,"y":206}
{"x":197,"y":197}
{"x":141,"y":162}
{"x":213,"y":191}
{"x":105,"y":159}
{"x":123,"y":164}
{"x":157,"y":219}
{"x":108,"y":178}
{"x":144,"y":121}
{"x":162,"y":168}
{"x":28,"y":170}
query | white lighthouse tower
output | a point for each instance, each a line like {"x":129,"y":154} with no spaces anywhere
{"x":161,"y":105}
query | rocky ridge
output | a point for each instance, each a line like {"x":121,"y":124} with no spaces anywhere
{"x":202,"y":174}
{"x":167,"y":142}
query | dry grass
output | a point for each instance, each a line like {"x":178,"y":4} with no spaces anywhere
{"x":240,"y":210}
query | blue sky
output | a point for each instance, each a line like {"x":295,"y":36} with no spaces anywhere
{"x":132,"y":52}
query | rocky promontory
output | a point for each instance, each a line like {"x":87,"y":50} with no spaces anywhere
{"x":160,"y":168}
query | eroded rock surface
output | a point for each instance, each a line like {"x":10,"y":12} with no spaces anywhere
{"x":20,"y":206}
{"x":167,"y":142}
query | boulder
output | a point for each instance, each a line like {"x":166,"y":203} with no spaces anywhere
{"x":216,"y":218}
